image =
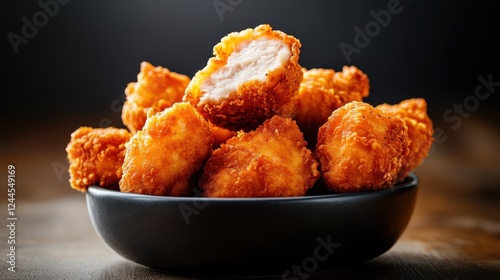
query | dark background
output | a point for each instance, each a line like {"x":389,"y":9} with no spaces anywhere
{"x":74,"y":70}
{"x":89,"y":50}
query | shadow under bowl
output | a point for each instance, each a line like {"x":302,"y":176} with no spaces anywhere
{"x":252,"y":236}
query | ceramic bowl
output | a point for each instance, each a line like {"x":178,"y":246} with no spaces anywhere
{"x":252,"y":236}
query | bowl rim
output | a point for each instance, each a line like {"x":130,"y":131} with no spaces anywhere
{"x":410,"y":182}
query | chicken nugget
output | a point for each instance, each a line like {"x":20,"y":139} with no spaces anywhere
{"x":271,"y":161}
{"x":253,"y":76}
{"x":164,"y":157}
{"x":156,"y":88}
{"x":96,"y":156}
{"x":322,"y":91}
{"x":361,"y":148}
{"x":414,"y":112}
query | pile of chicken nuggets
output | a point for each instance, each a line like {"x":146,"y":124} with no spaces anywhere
{"x":252,"y":123}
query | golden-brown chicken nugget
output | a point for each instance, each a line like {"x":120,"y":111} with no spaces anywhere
{"x":96,"y":156}
{"x":253,"y":76}
{"x":414,"y":112}
{"x":271,"y":161}
{"x":322,"y":91}
{"x":163,"y":157}
{"x":156,"y":88}
{"x":361,"y":148}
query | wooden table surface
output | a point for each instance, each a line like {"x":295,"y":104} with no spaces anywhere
{"x":453,"y":234}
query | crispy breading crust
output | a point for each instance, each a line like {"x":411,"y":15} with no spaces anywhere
{"x":361,"y":148}
{"x":254,"y":101}
{"x":420,"y":130}
{"x":271,"y":161}
{"x":163,"y":157}
{"x":156,"y":88}
{"x":96,"y":156}
{"x":322,"y":91}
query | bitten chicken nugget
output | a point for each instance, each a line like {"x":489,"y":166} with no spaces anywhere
{"x":156,"y":88}
{"x":361,"y":148}
{"x":414,"y":113}
{"x":271,"y":161}
{"x":96,"y":156}
{"x":322,"y":91}
{"x":253,"y":76}
{"x":163,"y":157}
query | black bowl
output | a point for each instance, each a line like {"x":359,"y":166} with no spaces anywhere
{"x":252,"y":236}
